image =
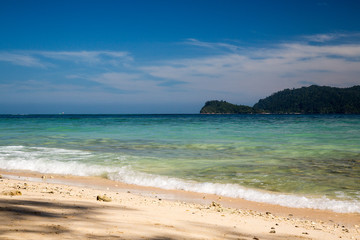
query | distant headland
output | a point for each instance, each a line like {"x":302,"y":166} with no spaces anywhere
{"x":306,"y":100}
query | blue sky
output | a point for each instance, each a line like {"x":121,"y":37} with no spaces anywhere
{"x":170,"y":56}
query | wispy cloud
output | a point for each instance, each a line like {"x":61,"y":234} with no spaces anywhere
{"x":21,"y":59}
{"x":323,"y":37}
{"x":37,"y":86}
{"x":226,"y":71}
{"x":125,"y":82}
{"x":262,"y":71}
{"x":48,"y":92}
{"x":49,"y":58}
{"x":303,"y":51}
{"x":92,"y":57}
{"x":333,"y":38}
{"x":217,"y":45}
{"x":135,"y":82}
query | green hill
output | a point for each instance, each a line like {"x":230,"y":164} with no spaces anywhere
{"x":312,"y":100}
{"x":223,"y":107}
{"x":305,"y":100}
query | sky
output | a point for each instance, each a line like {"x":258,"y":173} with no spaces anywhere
{"x":170,"y":56}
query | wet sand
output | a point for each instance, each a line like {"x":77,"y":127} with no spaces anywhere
{"x":66,"y":207}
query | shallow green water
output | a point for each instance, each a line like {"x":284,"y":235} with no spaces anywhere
{"x":302,"y":155}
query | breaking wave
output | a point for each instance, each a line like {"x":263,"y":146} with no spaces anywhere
{"x":79,"y":163}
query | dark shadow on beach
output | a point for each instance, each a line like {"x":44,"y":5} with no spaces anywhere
{"x":31,"y":219}
{"x":46,"y":218}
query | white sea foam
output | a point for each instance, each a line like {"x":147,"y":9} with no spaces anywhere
{"x":48,"y":160}
{"x":75,"y":162}
{"x":127,"y":175}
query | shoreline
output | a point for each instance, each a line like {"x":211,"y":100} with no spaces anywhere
{"x":299,"y":222}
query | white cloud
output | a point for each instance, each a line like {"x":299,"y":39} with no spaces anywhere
{"x":21,"y":59}
{"x":93,"y":57}
{"x":306,"y":51}
{"x":36,"y":86}
{"x":47,"y":92}
{"x":263,"y":71}
{"x":49,"y":58}
{"x":132,"y":83}
{"x":323,"y":37}
{"x":231,"y":73}
{"x":224,"y":46}
{"x":331,"y":37}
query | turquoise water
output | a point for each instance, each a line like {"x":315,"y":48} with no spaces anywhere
{"x":292,"y":160}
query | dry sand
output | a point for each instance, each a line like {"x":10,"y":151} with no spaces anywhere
{"x":66,"y":207}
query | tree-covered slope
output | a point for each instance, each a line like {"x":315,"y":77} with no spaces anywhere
{"x":305,"y":100}
{"x":221,"y":107}
{"x":313,"y":99}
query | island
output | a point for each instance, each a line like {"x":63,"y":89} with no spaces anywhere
{"x":305,"y":100}
{"x":223,"y":107}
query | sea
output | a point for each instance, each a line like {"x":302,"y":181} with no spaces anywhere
{"x":302,"y":161}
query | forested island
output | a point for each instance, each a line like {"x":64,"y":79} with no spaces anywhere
{"x":306,"y":100}
{"x":222,"y":107}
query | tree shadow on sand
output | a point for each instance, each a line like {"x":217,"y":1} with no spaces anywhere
{"x":38,"y":219}
{"x":41,"y":217}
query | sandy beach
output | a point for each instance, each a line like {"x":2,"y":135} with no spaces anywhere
{"x":35,"y":206}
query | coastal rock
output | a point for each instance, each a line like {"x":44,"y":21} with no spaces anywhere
{"x":217,"y":206}
{"x":13,"y":193}
{"x":103,"y":198}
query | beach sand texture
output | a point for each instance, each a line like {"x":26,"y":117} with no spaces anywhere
{"x":48,"y":210}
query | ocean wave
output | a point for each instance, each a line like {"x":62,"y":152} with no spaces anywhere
{"x":127,"y":175}
{"x":76,"y":162}
{"x":49,"y":160}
